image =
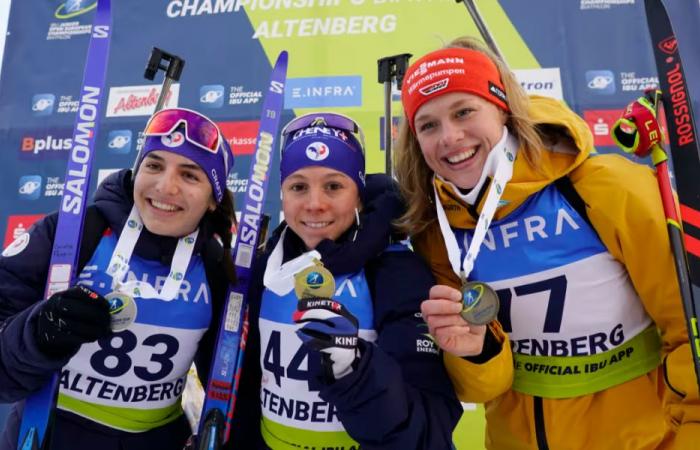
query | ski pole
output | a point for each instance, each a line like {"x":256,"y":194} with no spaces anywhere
{"x":481,"y":26}
{"x":37,"y":416}
{"x":390,"y":68}
{"x":638,"y":132}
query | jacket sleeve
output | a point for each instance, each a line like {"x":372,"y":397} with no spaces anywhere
{"x":400,"y":396}
{"x":473,"y":382}
{"x":23,"y":272}
{"x":624,"y":205}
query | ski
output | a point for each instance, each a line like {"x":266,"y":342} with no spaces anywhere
{"x":685,"y":156}
{"x":39,"y":406}
{"x":222,"y":386}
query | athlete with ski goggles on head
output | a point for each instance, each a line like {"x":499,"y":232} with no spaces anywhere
{"x":149,"y":288}
{"x":337,"y":355}
{"x":575,"y":246}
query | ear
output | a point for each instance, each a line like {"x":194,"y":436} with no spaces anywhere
{"x":212,"y":204}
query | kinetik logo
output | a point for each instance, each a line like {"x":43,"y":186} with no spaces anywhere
{"x":682,"y":121}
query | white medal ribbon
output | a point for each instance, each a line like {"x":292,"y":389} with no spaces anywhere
{"x":279,"y":278}
{"x":499,"y":165}
{"x":119,"y":263}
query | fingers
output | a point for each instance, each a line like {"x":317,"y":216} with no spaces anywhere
{"x":443,"y":292}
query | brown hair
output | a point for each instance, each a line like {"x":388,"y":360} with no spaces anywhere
{"x":414,"y":175}
{"x":222,"y":219}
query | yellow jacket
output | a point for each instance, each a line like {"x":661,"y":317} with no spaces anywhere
{"x":624,"y":206}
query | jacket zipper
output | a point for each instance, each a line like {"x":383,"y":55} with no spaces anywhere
{"x":540,"y":431}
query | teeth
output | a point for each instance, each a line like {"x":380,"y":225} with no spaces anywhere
{"x":316,"y":224}
{"x":458,"y":158}
{"x":163,"y":206}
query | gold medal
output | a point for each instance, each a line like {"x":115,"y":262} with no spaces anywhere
{"x":314,"y":281}
{"x":479,"y":303}
{"x":122,"y":310}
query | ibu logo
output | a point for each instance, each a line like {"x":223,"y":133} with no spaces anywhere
{"x":42,"y":104}
{"x":314,"y":280}
{"x":73,"y":8}
{"x":30,"y":187}
{"x":472,"y":296}
{"x":119,"y":141}
{"x":211,"y":96}
{"x":600,"y":82}
{"x":116,"y":305}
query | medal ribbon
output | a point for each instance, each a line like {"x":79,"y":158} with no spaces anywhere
{"x":279,"y":278}
{"x":499,"y":164}
{"x":119,"y":263}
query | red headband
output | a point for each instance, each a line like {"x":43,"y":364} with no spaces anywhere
{"x":451,"y":70}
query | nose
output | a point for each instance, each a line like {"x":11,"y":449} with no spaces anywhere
{"x":316,"y":201}
{"x":168,"y":183}
{"x":451,"y":133}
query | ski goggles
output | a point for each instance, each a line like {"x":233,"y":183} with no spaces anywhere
{"x":200,"y":131}
{"x":324,"y":139}
{"x":193,"y":136}
{"x":323,"y":119}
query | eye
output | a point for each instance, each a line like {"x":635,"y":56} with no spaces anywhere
{"x":191,"y":176}
{"x":334,"y":186}
{"x":297,"y":187}
{"x":426,"y":126}
{"x":152,"y":165}
{"x":464,"y":112}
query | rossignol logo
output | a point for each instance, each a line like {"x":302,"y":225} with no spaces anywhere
{"x":422,"y":69}
{"x":74,"y":191}
{"x":682,"y":122}
{"x":497,"y":92}
{"x":434,"y":87}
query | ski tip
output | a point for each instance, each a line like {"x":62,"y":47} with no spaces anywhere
{"x":283,"y":57}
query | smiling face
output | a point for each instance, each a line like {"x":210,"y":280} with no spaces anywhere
{"x":456,"y":132}
{"x":319,"y":203}
{"x":172,"y":193}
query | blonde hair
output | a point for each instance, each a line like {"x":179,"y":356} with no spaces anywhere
{"x":414,"y":175}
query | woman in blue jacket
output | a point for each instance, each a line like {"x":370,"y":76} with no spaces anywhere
{"x":122,"y":376}
{"x":338,"y":355}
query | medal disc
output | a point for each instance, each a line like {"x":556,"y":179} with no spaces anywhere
{"x":314,"y":281}
{"x":479,"y":303}
{"x":122,"y":309}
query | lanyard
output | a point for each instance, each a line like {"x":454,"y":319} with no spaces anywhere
{"x":119,"y":263}
{"x":499,"y":165}
{"x":279,"y":278}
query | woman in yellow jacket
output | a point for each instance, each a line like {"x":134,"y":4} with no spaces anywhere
{"x":590,"y":349}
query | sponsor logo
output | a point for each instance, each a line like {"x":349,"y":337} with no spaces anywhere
{"x":317,"y":151}
{"x":30,"y":187}
{"x":55,"y":143}
{"x":434,"y":87}
{"x":126,"y":101}
{"x":53,"y":187}
{"x":423,"y":68}
{"x":42,"y":104}
{"x":73,"y":8}
{"x":683,"y":129}
{"x":601,"y":121}
{"x":604,"y":4}
{"x":546,"y":82}
{"x":669,"y":45}
{"x":320,"y":92}
{"x":18,"y":225}
{"x":173,"y":140}
{"x":241,"y":136}
{"x":211,"y":96}
{"x":119,"y":141}
{"x":629,"y":81}
{"x":497,"y":92}
{"x":238,"y":95}
{"x":600,"y":81}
